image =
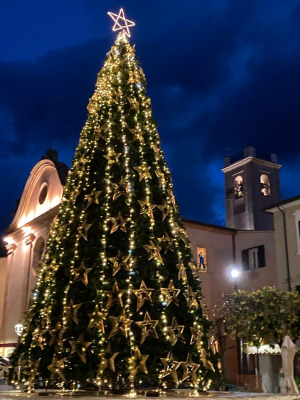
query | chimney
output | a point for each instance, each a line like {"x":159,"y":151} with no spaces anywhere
{"x":274,"y":158}
{"x":227,"y":161}
{"x":249,"y":151}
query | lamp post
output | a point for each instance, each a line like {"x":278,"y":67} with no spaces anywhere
{"x":234,"y":273}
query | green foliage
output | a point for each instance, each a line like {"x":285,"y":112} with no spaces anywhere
{"x":262,"y":316}
{"x":118,"y":169}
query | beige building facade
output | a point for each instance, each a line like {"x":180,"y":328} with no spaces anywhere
{"x":287,"y":236}
{"x":3,"y":271}
{"x":224,"y":250}
{"x":25,"y":243}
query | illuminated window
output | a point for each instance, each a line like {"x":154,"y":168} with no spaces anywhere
{"x":265,"y":185}
{"x":238,"y":187}
{"x":201,"y":259}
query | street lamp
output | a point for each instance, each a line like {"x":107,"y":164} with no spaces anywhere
{"x":19,"y":328}
{"x":234,"y":273}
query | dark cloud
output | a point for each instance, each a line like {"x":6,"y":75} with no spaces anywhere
{"x":221,"y":75}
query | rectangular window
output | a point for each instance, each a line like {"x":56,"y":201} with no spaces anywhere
{"x":253,"y":258}
{"x":202,"y":259}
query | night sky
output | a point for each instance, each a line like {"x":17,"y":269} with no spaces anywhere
{"x":222,"y":75}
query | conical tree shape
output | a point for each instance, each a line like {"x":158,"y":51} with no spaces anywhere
{"x":117,"y":299}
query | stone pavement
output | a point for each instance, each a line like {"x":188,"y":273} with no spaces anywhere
{"x":7,"y":393}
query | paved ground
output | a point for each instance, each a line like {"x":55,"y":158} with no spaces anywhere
{"x":6,"y":393}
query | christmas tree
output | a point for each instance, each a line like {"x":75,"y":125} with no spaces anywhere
{"x":117,"y":302}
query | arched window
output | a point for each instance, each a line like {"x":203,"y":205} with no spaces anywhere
{"x":265,"y":185}
{"x":38,"y":252}
{"x":238,"y":187}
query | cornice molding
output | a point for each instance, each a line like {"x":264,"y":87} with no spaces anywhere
{"x":285,"y":206}
{"x":34,"y":226}
{"x":10,"y":248}
{"x":247,"y":160}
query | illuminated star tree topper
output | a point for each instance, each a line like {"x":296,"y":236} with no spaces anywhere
{"x":121,"y":23}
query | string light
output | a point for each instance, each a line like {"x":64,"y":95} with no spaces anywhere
{"x":118,"y":166}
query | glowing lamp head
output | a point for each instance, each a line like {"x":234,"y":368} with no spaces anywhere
{"x":19,"y":328}
{"x":234,"y":273}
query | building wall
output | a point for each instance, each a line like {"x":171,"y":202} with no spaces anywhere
{"x":224,"y":252}
{"x":218,"y":243}
{"x":3,"y":272}
{"x":293,"y":250}
{"x":27,"y":235}
{"x":21,"y":275}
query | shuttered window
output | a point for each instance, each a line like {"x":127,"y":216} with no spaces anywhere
{"x":253,"y":258}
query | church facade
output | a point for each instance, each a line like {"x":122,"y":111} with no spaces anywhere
{"x":25,"y":243}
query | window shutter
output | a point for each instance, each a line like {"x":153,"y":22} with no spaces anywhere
{"x":261,"y":256}
{"x":245,"y":259}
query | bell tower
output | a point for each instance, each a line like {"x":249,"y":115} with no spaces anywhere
{"x":251,"y":183}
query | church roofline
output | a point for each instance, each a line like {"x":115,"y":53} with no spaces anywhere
{"x":211,"y":226}
{"x":287,"y":203}
{"x":36,"y":172}
{"x":248,"y":160}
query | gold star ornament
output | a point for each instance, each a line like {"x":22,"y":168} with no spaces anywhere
{"x":79,"y":347}
{"x":207,"y":363}
{"x":97,"y":319}
{"x":93,"y":197}
{"x":72,"y":310}
{"x":81,"y":274}
{"x":191,"y":298}
{"x":120,"y":189}
{"x":164,"y":208}
{"x":175,"y":332}
{"x":167,"y":243}
{"x":118,"y":223}
{"x":170,"y":367}
{"x":196,"y":336}
{"x":147,"y":208}
{"x":119,"y":262}
{"x":144,"y":171}
{"x":189,"y":370}
{"x":143,"y":294}
{"x":57,"y":367}
{"x":121,"y":23}
{"x":115,"y":296}
{"x":148,"y":327}
{"x":153,"y":252}
{"x":181,"y":272}
{"x":120,"y":324}
{"x":83,"y":229}
{"x":57,"y":334}
{"x":112,"y":157}
{"x":170,"y":293}
{"x":137,"y":363}
{"x":107,"y":360}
